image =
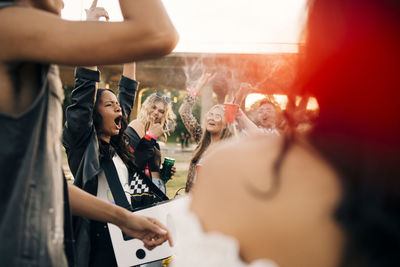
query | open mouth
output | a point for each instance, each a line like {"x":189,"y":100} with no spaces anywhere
{"x":117,"y":122}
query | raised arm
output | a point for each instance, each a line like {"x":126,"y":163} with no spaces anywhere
{"x":79,"y":123}
{"x":186,"y":109}
{"x":127,"y":88}
{"x":143,"y":146}
{"x":33,"y":34}
{"x":246,"y":124}
{"x":190,"y":122}
{"x":242,"y":119}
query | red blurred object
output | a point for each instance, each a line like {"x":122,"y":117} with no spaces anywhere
{"x":230,"y":112}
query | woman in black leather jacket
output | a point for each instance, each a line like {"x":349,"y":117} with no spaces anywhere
{"x":93,"y":134}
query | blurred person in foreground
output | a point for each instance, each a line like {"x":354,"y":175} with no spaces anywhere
{"x":329,"y":198}
{"x":34,"y":211}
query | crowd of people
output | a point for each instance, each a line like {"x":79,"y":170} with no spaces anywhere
{"x":267,"y":187}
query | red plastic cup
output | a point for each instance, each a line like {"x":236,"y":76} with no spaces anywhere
{"x":230,"y":112}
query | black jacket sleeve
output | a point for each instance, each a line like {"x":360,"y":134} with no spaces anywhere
{"x":79,"y":127}
{"x":143,"y":148}
{"x":126,"y":94}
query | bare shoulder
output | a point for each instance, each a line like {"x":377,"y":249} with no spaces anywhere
{"x":228,"y":166}
{"x":229,"y":195}
{"x":245,"y":150}
{"x":255,"y":155}
{"x":236,"y":167}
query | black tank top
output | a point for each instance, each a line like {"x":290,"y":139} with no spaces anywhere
{"x":31,"y":184}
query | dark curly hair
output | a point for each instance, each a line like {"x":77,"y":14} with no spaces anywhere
{"x":118,"y":143}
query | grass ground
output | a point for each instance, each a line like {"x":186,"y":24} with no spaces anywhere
{"x":182,"y":159}
{"x":177,"y":183}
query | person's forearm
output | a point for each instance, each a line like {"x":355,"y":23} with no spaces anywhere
{"x":142,"y":14}
{"x":144,"y":152}
{"x":247,"y":124}
{"x":86,"y":205}
{"x":129,"y":70}
{"x":190,"y":122}
{"x":149,"y":230}
{"x":140,"y":10}
{"x":94,"y":68}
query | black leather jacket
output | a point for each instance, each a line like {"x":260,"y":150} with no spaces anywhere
{"x":81,"y":144}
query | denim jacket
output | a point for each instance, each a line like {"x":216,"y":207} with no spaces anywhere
{"x":31,"y":184}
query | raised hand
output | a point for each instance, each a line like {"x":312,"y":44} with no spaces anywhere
{"x":241,"y":94}
{"x":173,"y":171}
{"x":94,"y":13}
{"x":129,"y":70}
{"x":205,"y":78}
{"x":156,"y":129}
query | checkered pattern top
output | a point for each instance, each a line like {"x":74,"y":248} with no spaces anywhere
{"x":138,"y":187}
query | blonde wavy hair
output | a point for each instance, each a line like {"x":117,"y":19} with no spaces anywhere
{"x":168,"y":121}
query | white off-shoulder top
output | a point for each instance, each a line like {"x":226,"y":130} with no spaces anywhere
{"x":195,"y":248}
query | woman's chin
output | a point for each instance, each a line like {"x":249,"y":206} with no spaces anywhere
{"x":114,"y":133}
{"x":213,"y":130}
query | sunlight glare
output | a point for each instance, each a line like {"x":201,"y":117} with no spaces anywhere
{"x":223,"y":26}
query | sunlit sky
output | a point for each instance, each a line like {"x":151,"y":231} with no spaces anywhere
{"x":224,"y":26}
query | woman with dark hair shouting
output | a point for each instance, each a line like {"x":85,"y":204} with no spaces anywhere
{"x":94,"y":138}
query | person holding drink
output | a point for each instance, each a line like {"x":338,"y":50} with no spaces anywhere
{"x":96,"y":145}
{"x":153,"y":122}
